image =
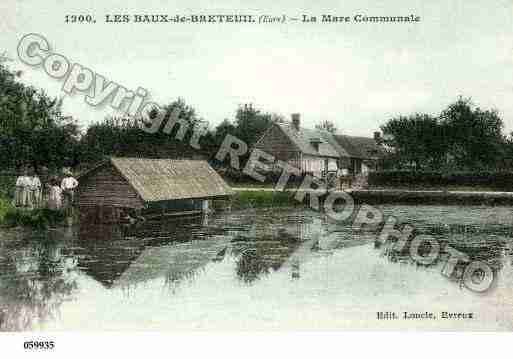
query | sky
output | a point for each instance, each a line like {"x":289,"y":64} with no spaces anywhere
{"x":357,"y":75}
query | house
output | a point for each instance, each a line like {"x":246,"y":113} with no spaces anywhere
{"x":364,"y":152}
{"x":155,"y":186}
{"x":310,"y":151}
{"x":317,"y":151}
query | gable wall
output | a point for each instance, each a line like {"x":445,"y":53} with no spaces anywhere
{"x":106,"y":187}
{"x":276,"y":143}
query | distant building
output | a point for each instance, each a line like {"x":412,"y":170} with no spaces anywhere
{"x":364,"y":153}
{"x":317,"y":151}
{"x":157,"y":186}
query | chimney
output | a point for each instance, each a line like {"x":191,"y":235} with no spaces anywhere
{"x":296,"y":121}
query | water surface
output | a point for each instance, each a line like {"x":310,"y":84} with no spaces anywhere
{"x":256,"y":269}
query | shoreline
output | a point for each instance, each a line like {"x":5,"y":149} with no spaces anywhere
{"x":400,"y":196}
{"x":269,"y":197}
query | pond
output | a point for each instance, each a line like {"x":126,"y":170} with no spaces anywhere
{"x":264,"y":269}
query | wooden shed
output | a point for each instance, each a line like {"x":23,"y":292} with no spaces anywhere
{"x":153,"y":186}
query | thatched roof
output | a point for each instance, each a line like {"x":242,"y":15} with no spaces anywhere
{"x":304,"y":138}
{"x":166,"y":179}
{"x":360,"y":147}
{"x":174,"y":262}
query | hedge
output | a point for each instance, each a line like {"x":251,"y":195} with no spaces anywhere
{"x":493,"y":180}
{"x":237,"y":177}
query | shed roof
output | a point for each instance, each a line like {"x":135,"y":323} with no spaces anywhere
{"x":360,"y":147}
{"x":174,"y":262}
{"x":166,"y":179}
{"x":303,"y":139}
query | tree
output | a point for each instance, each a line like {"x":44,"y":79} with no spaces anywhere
{"x":417,"y":141}
{"x":474,"y":135}
{"x":123,"y":136}
{"x":250,"y":123}
{"x":463,"y":137}
{"x":33,"y":130}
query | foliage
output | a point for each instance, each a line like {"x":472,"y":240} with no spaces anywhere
{"x":12,"y":216}
{"x":37,"y":219}
{"x":484,"y":179}
{"x":250,"y":123}
{"x":7,"y":185}
{"x":122,"y":136}
{"x":474,"y":136}
{"x":5,"y":207}
{"x":417,"y":140}
{"x":248,"y":126}
{"x":237,"y":178}
{"x":462,"y":137}
{"x":33,"y":130}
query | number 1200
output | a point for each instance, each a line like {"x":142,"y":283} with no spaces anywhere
{"x":78,"y":18}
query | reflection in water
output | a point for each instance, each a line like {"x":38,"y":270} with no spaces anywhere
{"x":485,"y":242}
{"x":35,"y":279}
{"x":41,"y":272}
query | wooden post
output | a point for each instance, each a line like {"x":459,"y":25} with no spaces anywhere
{"x":205,"y":206}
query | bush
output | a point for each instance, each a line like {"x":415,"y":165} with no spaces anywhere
{"x":238,"y":178}
{"x":5,"y":207}
{"x":502,"y":181}
{"x":38,"y":218}
{"x":7,"y":184}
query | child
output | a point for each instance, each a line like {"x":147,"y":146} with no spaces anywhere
{"x":55,"y":197}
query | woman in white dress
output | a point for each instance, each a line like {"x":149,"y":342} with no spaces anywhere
{"x":22,"y":195}
{"x":36,"y":191}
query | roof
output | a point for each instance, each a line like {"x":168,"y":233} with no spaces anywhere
{"x":303,"y":139}
{"x":166,"y":179}
{"x":360,"y":147}
{"x":174,"y":262}
{"x":126,"y":261}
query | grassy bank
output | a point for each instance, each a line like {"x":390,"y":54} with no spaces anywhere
{"x":5,"y":208}
{"x":11,"y":216}
{"x":37,"y":219}
{"x":262,"y":199}
{"x":438,"y":188}
{"x":266,"y":198}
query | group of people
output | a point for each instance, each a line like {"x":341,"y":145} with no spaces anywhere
{"x":58,"y":194}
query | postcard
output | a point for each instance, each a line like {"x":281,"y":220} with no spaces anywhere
{"x":255,"y":166}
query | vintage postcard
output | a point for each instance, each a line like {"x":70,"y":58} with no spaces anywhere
{"x":255,"y":166}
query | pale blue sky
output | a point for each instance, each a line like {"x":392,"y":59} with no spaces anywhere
{"x":356,"y":75}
